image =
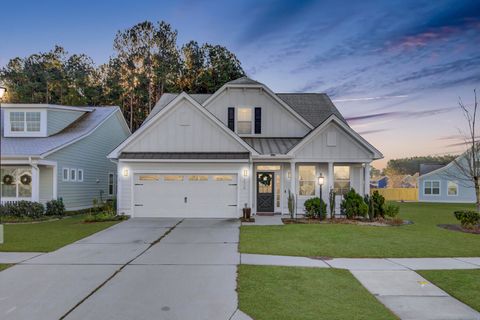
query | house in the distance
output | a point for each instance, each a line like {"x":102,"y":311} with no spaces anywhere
{"x":446,"y":183}
{"x":52,"y":151}
{"x":210,"y":155}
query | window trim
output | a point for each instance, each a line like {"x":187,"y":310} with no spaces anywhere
{"x":314,"y":180}
{"x":349,"y":178}
{"x":252,"y":119}
{"x":456,"y":188}
{"x":25,"y":122}
{"x":63,"y":174}
{"x":431,"y":188}
{"x":74,"y":179}
{"x":78,"y":175}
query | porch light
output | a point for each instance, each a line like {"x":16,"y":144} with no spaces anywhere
{"x":2,"y":91}
{"x":289,"y":175}
{"x":321,"y":179}
{"x":125,"y":172}
{"x":245,"y":173}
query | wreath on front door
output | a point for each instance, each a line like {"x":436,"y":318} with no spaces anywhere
{"x":25,"y":179}
{"x":7,"y":179}
{"x":265,"y":179}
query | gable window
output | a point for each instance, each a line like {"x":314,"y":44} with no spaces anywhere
{"x":65,"y":174}
{"x":25,"y":121}
{"x":306,"y":180}
{"x":244,"y":120}
{"x":341,"y":179}
{"x":111,"y":184}
{"x":452,"y":188}
{"x":431,"y":187}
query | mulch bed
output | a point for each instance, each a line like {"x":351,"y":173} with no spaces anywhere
{"x":459,"y":228}
{"x":376,"y":223}
{"x":247,"y":220}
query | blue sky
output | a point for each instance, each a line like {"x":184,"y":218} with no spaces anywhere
{"x":396,"y":69}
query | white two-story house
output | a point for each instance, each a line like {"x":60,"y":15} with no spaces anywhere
{"x":210,"y":155}
{"x":51,"y":151}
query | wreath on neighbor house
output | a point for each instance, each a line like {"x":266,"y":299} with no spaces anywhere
{"x":7,"y":179}
{"x":265,"y":179}
{"x":25,"y":179}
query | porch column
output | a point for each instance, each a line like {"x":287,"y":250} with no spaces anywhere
{"x":251,"y":197}
{"x":293,"y":186}
{"x":329,"y":183}
{"x":35,"y":183}
{"x":366,"y":175}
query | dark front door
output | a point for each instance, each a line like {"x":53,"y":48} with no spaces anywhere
{"x":265,"y":191}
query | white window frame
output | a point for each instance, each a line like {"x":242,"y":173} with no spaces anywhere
{"x":74,"y":174}
{"x":63,"y":174}
{"x":314,"y":180}
{"x":456,"y":188}
{"x":111,"y":174}
{"x":78,"y":175}
{"x":252,"y":119}
{"x":25,"y":132}
{"x":431,"y":188}
{"x":349,"y":178}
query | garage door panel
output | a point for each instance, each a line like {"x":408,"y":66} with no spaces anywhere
{"x":185,"y":195}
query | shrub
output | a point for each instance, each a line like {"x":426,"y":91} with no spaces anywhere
{"x":22,"y":209}
{"x":104,"y":216}
{"x":378,"y":204}
{"x":391,"y":210}
{"x":468,"y":218}
{"x":315,"y":208}
{"x":291,"y":204}
{"x":353,"y":205}
{"x":55,"y":208}
{"x":331,"y":200}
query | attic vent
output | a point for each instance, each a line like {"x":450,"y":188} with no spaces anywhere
{"x":331,"y":138}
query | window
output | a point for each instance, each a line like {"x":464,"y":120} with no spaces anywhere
{"x":198,"y":178}
{"x":306,"y":178}
{"x":73,"y":175}
{"x":431,"y":187}
{"x":341,"y":179}
{"x":452,"y":188}
{"x":173,"y":178}
{"x":149,"y":178}
{"x":65,"y":174}
{"x":25,"y":121}
{"x":244,"y":122}
{"x":222,"y":178}
{"x":16,"y":182}
{"x":111,"y":184}
{"x":80,"y":175}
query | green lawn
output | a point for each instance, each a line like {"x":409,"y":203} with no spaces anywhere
{"x":48,"y":236}
{"x":286,"y":293}
{"x":461,"y":284}
{"x":422,"y":239}
{"x":4,"y":266}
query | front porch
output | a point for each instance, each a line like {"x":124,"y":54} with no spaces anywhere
{"x":272,"y":182}
{"x":29,"y":181}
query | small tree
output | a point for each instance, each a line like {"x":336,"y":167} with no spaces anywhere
{"x":331,"y":202}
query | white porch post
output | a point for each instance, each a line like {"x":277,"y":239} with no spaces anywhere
{"x":329,"y":183}
{"x":366,"y":175}
{"x":252,"y":190}
{"x":293,"y":190}
{"x":55,"y":181}
{"x":35,"y":183}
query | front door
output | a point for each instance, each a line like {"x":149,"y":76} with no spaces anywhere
{"x":265,"y":192}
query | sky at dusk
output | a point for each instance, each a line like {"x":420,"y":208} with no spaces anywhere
{"x":395,"y":69}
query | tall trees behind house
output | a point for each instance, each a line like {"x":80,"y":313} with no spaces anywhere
{"x":147,"y":63}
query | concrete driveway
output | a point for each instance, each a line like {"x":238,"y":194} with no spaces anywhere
{"x":139,"y":269}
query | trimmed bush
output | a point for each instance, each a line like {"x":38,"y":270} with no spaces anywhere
{"x":353,"y":205}
{"x":378,"y":204}
{"x":104,"y":216}
{"x":55,"y":208}
{"x":22,"y":209}
{"x":467,"y":218}
{"x":315,"y":208}
{"x":391,"y":210}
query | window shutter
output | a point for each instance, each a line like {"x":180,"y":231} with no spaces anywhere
{"x":258,"y":120}
{"x":231,"y":119}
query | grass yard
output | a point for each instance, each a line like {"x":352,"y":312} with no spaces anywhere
{"x":48,"y":236}
{"x":422,"y":239}
{"x":286,"y":293}
{"x":4,"y":266}
{"x":461,"y":284}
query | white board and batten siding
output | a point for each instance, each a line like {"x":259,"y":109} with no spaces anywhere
{"x":89,"y":154}
{"x":276,"y":120}
{"x":159,"y":198}
{"x":184,"y":129}
{"x":46,"y":184}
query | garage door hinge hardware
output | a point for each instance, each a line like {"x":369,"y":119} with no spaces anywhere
{"x":232,"y":205}
{"x":232,"y":184}
{"x":139,"y":205}
{"x":139,"y":184}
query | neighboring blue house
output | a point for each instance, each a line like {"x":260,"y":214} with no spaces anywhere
{"x":445,"y":183}
{"x":51,"y":151}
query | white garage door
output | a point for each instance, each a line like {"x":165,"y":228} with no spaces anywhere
{"x":185,"y":195}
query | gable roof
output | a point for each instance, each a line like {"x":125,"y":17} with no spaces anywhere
{"x":429,"y":167}
{"x":38,"y":146}
{"x":245,"y":80}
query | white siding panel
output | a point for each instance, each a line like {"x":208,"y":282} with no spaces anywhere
{"x":276,"y":120}
{"x":184,"y":129}
{"x":46,"y":184}
{"x":346,"y":148}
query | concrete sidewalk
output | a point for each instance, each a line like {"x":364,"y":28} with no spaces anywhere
{"x":17,"y":257}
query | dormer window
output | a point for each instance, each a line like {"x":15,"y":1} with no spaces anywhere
{"x":244,"y":122}
{"x":24,"y":121}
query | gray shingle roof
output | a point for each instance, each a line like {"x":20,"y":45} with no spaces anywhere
{"x":272,"y":145}
{"x":35,"y":146}
{"x":244,"y":80}
{"x":429,"y":167}
{"x":184,"y":155}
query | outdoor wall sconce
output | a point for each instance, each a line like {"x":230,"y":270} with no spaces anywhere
{"x":289,"y":175}
{"x":125,"y":172}
{"x":245,"y":173}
